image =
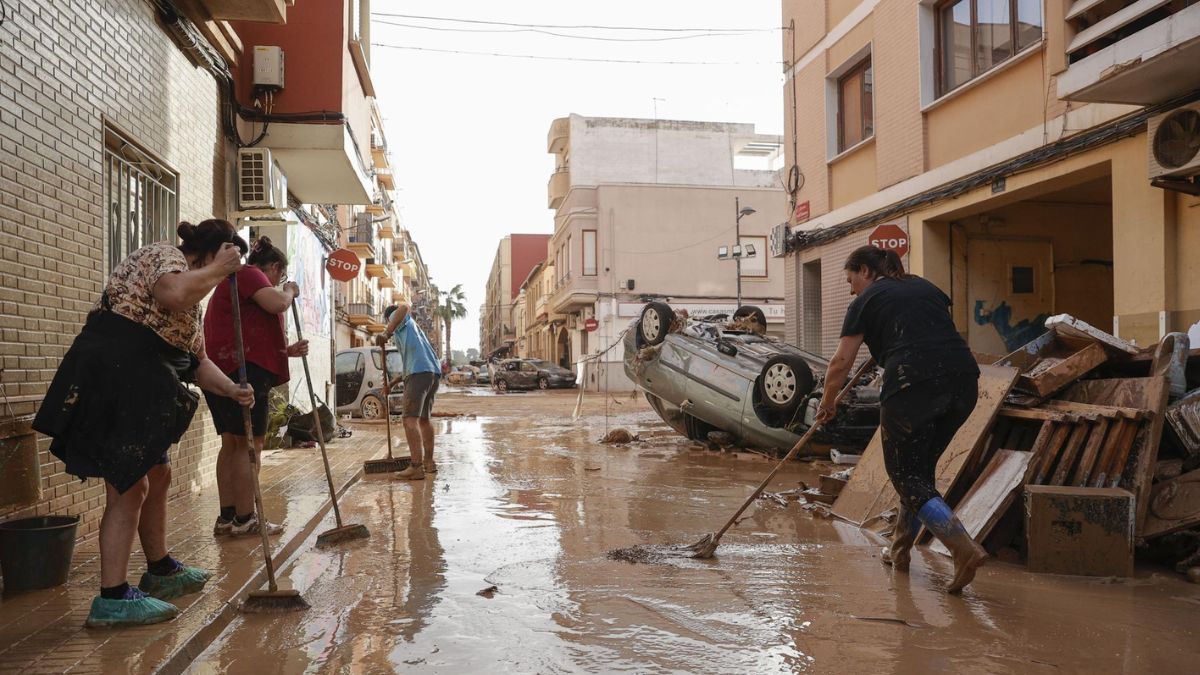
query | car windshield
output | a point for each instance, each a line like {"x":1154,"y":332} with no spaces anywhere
{"x":395,"y":364}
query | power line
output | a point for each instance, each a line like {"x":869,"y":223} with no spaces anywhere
{"x":578,"y":27}
{"x":706,"y":34}
{"x":535,"y":57}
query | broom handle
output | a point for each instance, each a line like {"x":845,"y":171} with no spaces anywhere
{"x":795,"y":448}
{"x":258,"y":501}
{"x":387,"y":401}
{"x":312,"y":399}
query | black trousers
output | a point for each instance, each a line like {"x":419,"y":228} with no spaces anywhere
{"x":918,"y":422}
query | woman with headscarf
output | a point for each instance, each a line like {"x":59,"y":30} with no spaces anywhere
{"x":118,"y":402}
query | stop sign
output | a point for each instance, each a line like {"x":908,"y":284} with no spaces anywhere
{"x":890,"y":238}
{"x":343,"y":264}
{"x":591,"y":325}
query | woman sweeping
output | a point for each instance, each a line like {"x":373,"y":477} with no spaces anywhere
{"x":265,"y":343}
{"x":118,"y":402}
{"x":930,"y":383}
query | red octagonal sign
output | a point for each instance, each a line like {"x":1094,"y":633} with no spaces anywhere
{"x":590,"y":325}
{"x":343,"y":264}
{"x":890,"y":238}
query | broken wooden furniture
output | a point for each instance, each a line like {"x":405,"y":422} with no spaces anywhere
{"x":1080,"y":530}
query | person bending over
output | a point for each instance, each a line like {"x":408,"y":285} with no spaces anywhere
{"x":930,"y":383}
{"x":421,"y":374}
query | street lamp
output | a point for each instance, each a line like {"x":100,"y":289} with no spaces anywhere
{"x":738,"y":251}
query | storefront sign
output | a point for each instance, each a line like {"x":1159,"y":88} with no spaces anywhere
{"x":591,"y":325}
{"x":343,"y":264}
{"x":697,"y":310}
{"x":890,"y":238}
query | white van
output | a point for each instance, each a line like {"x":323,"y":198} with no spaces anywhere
{"x":358,"y":375}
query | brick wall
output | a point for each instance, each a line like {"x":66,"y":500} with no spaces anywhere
{"x":66,"y":68}
{"x":899,"y":124}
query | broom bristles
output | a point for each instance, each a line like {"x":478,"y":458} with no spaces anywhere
{"x":344,"y":533}
{"x":385,"y":465}
{"x":270,"y":602}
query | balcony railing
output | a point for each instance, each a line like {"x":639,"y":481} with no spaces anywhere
{"x":360,"y":313}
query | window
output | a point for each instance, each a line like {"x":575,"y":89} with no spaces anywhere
{"x":589,"y":253}
{"x":975,"y":36}
{"x":1022,"y":280}
{"x":141,"y":197}
{"x":347,"y":363}
{"x":856,"y":120}
{"x":756,"y":266}
{"x":395,"y":362}
{"x":568,"y":252}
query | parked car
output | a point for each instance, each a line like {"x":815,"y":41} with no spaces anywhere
{"x":461,"y":376}
{"x":531,"y":374}
{"x":483,"y":373}
{"x":358,"y":378}
{"x":702,"y":376}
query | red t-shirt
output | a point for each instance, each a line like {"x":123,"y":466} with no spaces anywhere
{"x":263,"y":335}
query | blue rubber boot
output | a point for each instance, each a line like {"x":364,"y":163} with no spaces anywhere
{"x":135,"y":609}
{"x":899,"y":554}
{"x":182,"y":581}
{"x":967,"y":553}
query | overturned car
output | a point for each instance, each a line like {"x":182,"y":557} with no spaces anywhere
{"x":722,"y":374}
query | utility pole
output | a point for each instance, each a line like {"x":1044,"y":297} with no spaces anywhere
{"x":737,"y":242}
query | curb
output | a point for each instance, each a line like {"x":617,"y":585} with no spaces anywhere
{"x":285,"y":553}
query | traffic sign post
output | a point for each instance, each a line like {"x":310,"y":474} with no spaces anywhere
{"x":343,"y":264}
{"x":890,"y":238}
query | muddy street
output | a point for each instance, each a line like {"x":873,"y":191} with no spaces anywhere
{"x":499,"y":563}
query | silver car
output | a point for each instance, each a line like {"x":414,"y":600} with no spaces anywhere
{"x":703,"y":376}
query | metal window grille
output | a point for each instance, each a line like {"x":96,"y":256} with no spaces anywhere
{"x":142,"y":199}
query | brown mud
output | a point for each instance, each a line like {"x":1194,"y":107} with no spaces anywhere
{"x":529,"y":503}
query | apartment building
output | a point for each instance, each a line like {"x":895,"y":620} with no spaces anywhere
{"x":536,"y":325}
{"x":1030,"y":157}
{"x":516,"y":256}
{"x":642,"y":210}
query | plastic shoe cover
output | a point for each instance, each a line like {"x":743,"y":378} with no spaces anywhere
{"x":179,"y":583}
{"x":135,"y":609}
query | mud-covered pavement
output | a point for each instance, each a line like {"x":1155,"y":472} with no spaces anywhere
{"x":529,"y":502}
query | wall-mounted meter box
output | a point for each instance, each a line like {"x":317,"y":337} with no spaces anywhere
{"x":268,"y":67}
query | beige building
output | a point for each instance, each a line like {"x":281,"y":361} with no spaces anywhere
{"x":534,"y":321}
{"x":1017,"y":146}
{"x":642,"y":208}
{"x":501,"y":318}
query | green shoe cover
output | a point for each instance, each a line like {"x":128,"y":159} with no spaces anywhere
{"x":179,"y":583}
{"x":138,"y":612}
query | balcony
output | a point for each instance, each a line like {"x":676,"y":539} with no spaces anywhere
{"x":266,"y":11}
{"x":556,"y":189}
{"x":320,"y":161}
{"x":376,"y":327}
{"x":386,"y":231}
{"x":360,"y":313}
{"x":1141,"y":53}
{"x":560,"y":133}
{"x":362,"y":240}
{"x":573,"y":293}
{"x":379,"y":154}
{"x":400,"y":295}
{"x":386,"y":179}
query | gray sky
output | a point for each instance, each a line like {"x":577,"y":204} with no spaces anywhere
{"x":468,"y":133}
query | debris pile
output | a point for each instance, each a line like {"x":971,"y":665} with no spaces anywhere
{"x":1082,"y":450}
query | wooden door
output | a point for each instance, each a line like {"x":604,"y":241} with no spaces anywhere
{"x":1010,"y":292}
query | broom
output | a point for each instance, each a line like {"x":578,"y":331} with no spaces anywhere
{"x":341,"y":532}
{"x":273,"y":599}
{"x":387,"y":464}
{"x":706,"y":547}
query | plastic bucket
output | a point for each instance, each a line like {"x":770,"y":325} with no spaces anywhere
{"x":36,"y":552}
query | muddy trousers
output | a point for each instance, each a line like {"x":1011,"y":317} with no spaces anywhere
{"x":917,"y":424}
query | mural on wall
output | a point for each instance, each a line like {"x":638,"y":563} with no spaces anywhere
{"x":1015,"y":335}
{"x":306,"y":266}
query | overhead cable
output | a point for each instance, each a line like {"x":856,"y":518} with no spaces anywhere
{"x":706,"y":34}
{"x":535,"y":57}
{"x":578,"y":27}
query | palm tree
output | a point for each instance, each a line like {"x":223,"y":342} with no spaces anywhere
{"x":450,"y":306}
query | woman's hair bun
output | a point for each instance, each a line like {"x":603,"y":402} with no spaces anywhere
{"x":186,"y":231}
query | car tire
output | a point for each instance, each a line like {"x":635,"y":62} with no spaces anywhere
{"x":785,"y":381}
{"x":655,"y":323}
{"x":697,"y":429}
{"x":543,"y":383}
{"x":502,"y":385}
{"x":751,"y":310}
{"x":371,"y":407}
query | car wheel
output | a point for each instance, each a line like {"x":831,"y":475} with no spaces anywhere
{"x":371,"y":407}
{"x":502,"y":385}
{"x":697,"y":429}
{"x":785,"y":381}
{"x":543,"y":383}
{"x":751,"y":310}
{"x":655,"y":323}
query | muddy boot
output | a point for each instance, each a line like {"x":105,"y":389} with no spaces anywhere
{"x":968,"y":555}
{"x":899,"y":553}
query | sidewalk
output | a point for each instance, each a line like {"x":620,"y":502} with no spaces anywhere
{"x":43,"y":631}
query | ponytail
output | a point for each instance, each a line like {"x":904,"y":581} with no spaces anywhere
{"x":880,"y":262}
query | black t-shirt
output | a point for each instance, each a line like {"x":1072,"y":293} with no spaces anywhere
{"x":907,"y":326}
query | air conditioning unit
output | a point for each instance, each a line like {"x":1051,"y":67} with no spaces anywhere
{"x":261,"y":184}
{"x":1174,"y":140}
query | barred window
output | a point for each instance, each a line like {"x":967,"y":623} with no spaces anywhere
{"x":141,"y":194}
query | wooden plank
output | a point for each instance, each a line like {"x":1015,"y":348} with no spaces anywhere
{"x":1037,"y":414}
{"x":1116,"y":464}
{"x":991,"y":495}
{"x":1118,"y":435}
{"x":1091,"y":452}
{"x":1174,"y":506}
{"x":1069,"y":370}
{"x":1098,"y":410}
{"x":869,"y":492}
{"x":1067,"y":461}
{"x":1041,"y":463}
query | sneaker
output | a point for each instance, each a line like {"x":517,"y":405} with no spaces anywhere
{"x":135,"y":609}
{"x":413,"y":472}
{"x":222,"y":528}
{"x":251,"y":527}
{"x":183,"y":581}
